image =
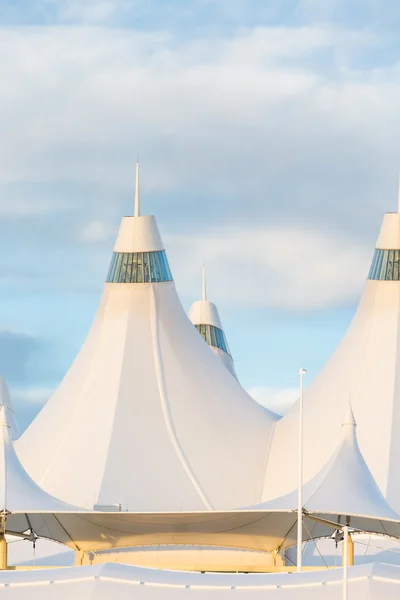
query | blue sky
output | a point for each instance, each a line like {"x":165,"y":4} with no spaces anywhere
{"x":269,"y":138}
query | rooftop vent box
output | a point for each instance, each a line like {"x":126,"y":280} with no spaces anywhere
{"x":107,"y":507}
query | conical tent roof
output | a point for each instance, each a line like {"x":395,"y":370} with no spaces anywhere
{"x":205,"y":317}
{"x":366,"y":368}
{"x":147,"y":417}
{"x":345,"y":486}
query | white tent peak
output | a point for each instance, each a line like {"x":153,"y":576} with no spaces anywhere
{"x":344,"y":486}
{"x":143,"y":362}
{"x":137,"y":199}
{"x":205,"y":317}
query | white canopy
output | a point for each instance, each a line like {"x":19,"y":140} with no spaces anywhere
{"x":345,"y":487}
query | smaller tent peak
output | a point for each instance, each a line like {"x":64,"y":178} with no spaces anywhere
{"x":137,"y":200}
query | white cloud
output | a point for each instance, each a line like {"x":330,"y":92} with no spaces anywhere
{"x":90,"y":11}
{"x":297,"y":268}
{"x":96,"y":231}
{"x":275,"y":399}
{"x":247,"y":125}
{"x":78,"y":103}
{"x":32,"y":395}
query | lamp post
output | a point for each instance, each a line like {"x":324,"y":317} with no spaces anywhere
{"x":301,"y":372}
{"x":346,"y":558}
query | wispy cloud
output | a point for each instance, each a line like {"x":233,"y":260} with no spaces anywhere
{"x":293,"y":267}
{"x":268,"y":138}
{"x":96,"y":231}
{"x":245,"y":124}
{"x":275,"y":399}
{"x":33,"y":395}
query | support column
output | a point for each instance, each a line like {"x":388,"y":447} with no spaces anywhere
{"x":3,"y":542}
{"x":3,"y":552}
{"x":350,"y":552}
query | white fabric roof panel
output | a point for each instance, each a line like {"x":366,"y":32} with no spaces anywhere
{"x":102,"y":582}
{"x":147,"y":415}
{"x":345,"y":486}
{"x":364,"y":369}
{"x":18,"y":492}
{"x":265,"y":527}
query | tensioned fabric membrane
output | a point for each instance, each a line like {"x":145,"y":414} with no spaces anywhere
{"x":364,"y":368}
{"x":344,"y":488}
{"x":148,"y":417}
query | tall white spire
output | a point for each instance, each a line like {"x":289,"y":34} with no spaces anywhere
{"x":137,"y":203}
{"x":203,"y":284}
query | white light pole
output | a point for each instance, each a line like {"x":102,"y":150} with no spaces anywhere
{"x":301,"y":372}
{"x":345,"y":559}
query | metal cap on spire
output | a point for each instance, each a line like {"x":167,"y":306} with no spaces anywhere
{"x":137,"y":202}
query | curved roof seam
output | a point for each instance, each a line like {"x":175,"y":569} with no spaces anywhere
{"x":165,"y":406}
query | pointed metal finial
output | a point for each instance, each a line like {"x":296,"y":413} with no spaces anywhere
{"x":137,"y":203}
{"x":203,"y":283}
{"x":349,"y":420}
